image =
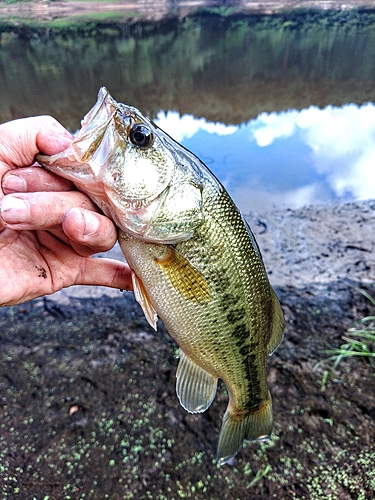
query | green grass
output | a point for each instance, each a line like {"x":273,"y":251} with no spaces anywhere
{"x":359,"y":341}
{"x":10,"y":2}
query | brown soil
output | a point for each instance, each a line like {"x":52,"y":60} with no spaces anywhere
{"x":89,"y":409}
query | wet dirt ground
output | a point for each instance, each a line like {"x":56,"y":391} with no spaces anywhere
{"x":87,"y":388}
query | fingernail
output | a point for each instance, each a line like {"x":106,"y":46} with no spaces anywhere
{"x":14,"y":210}
{"x":14,"y":183}
{"x":91,"y":224}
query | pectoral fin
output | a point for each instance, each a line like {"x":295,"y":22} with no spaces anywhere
{"x":195,"y":387}
{"x":187,"y":280}
{"x":143,"y":299}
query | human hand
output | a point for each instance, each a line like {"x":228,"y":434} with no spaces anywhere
{"x":48,"y":230}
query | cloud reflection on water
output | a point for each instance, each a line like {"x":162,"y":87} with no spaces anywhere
{"x":289,"y":159}
{"x":184,"y":127}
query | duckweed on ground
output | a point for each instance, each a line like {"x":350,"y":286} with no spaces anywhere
{"x":89,"y":409}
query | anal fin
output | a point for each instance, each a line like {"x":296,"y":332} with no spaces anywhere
{"x":144,"y":301}
{"x":195,"y":387}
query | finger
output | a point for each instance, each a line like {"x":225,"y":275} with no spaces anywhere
{"x":89,"y":232}
{"x":52,"y":137}
{"x":22,"y":139}
{"x":105,"y":272}
{"x":31,"y":211}
{"x":67,"y":268}
{"x":33,"y":179}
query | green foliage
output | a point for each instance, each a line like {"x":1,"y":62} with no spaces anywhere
{"x":10,"y":2}
{"x":227,"y":68}
{"x":359,"y":340}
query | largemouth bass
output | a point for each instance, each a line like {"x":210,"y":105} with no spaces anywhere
{"x":194,"y":260}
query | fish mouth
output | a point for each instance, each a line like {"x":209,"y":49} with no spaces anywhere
{"x":96,"y":127}
{"x":82,"y":161}
{"x":93,"y":144}
{"x":104,"y":102}
{"x":103,"y":128}
{"x":85,"y":143}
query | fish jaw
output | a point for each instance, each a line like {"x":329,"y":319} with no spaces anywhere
{"x":80,"y":162}
{"x":148,"y":192}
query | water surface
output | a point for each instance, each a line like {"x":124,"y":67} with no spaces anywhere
{"x":287,"y":159}
{"x":279,"y":107}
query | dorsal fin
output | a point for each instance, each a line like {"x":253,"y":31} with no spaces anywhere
{"x":278,"y":325}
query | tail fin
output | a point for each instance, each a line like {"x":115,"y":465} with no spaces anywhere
{"x":256,"y":425}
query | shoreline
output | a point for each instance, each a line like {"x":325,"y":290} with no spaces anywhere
{"x":150,"y":11}
{"x":316,"y":245}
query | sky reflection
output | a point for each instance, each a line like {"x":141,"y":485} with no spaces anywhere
{"x":287,"y":159}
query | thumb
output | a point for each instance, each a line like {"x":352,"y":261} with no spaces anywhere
{"x":22,"y":139}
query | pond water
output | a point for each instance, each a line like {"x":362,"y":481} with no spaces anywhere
{"x":288,"y":159}
{"x":279,"y":107}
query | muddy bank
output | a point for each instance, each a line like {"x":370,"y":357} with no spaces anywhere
{"x":319,"y":244}
{"x":87,"y":388}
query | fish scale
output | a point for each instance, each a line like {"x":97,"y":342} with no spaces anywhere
{"x":194,"y":260}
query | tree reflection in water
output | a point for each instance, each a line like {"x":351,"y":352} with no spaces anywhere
{"x":226,"y":69}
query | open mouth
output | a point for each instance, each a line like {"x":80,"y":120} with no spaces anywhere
{"x":94,"y":126}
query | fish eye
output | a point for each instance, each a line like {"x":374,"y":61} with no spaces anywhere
{"x":141,"y":136}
